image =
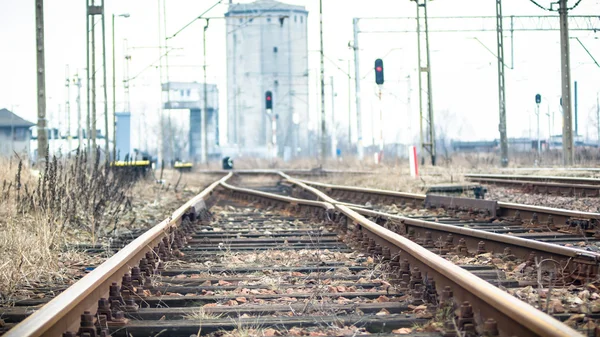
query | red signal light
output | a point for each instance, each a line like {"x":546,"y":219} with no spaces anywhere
{"x":268,"y":98}
{"x":378,"y":68}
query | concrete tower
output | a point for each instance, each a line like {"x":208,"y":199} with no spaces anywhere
{"x":267,"y":50}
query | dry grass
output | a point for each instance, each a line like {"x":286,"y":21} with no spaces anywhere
{"x":71,"y":203}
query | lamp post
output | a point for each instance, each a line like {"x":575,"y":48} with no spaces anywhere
{"x":114,"y":102}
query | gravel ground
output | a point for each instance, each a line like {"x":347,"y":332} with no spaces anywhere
{"x":516,"y":196}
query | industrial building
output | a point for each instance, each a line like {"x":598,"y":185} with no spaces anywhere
{"x":190,"y":96}
{"x":15,"y":134}
{"x":267,"y":50}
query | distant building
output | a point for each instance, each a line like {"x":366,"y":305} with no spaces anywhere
{"x":60,"y":145}
{"x":267,"y":50}
{"x":190,"y":96}
{"x":15,"y":134}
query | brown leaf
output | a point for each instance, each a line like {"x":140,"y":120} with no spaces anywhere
{"x":382,"y":299}
{"x":270,"y":332}
{"x":402,"y":331}
{"x":382,"y":312}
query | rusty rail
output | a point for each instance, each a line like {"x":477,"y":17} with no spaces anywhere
{"x":505,"y":209}
{"x":514,"y":317}
{"x":64,"y":311}
{"x":522,"y":177}
{"x":565,"y":186}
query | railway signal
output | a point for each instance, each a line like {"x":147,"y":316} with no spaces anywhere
{"x":379,"y":71}
{"x":538,"y":100}
{"x":269,"y":100}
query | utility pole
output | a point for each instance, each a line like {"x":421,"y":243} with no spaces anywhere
{"x":169,"y":121}
{"x":349,"y":107}
{"x":126,"y":76}
{"x":204,"y":110}
{"x":549,"y":129}
{"x":114,"y":92}
{"x":105,"y":86}
{"x":161,"y":154}
{"x":114,"y":87}
{"x":68,"y":106}
{"x":501,"y":86}
{"x":425,"y":69}
{"x":77,"y":82}
{"x":598,"y":118}
{"x":359,"y":134}
{"x":567,"y":136}
{"x":41,"y":83}
{"x":323,"y":121}
{"x":92,"y":130}
{"x":333,"y":129}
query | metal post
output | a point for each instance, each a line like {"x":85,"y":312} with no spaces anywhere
{"x":41,"y":82}
{"x":204,"y":110}
{"x":567,"y":140}
{"x":425,"y":68}
{"x":77,"y":81}
{"x":549,"y":129}
{"x":87,"y":77}
{"x":349,"y":107}
{"x":169,"y":121}
{"x":502,"y":85}
{"x":598,"y":118}
{"x":105,"y":86}
{"x":114,"y":92}
{"x":432,"y":150}
{"x":92,"y":130}
{"x":380,"y":128}
{"x":323,"y":121}
{"x":126,"y":77}
{"x":68,"y":105}
{"x":161,"y":154}
{"x":333,"y":129}
{"x":359,"y":133}
{"x":539,"y":145}
{"x":576,"y":112}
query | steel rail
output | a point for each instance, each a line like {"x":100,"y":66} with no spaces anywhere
{"x":526,"y":244}
{"x":505,"y":208}
{"x":63,"y":313}
{"x":514,"y":316}
{"x":307,"y":172}
{"x":293,"y":201}
{"x":569,"y":180}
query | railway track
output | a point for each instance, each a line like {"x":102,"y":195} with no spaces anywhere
{"x":564,"y":186}
{"x":553,"y":225}
{"x":242,"y":262}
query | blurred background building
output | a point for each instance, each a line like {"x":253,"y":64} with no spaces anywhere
{"x":267,"y":50}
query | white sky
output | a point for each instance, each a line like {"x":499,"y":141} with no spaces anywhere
{"x":464,"y":72}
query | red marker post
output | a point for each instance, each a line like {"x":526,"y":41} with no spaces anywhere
{"x":413,"y":162}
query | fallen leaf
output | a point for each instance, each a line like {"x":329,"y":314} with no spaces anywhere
{"x":402,"y":331}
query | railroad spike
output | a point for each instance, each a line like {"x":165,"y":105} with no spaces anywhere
{"x":104,"y":309}
{"x":481,"y":248}
{"x":87,"y":325}
{"x":490,"y":328}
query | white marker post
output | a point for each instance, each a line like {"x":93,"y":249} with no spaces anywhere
{"x":412,"y":159}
